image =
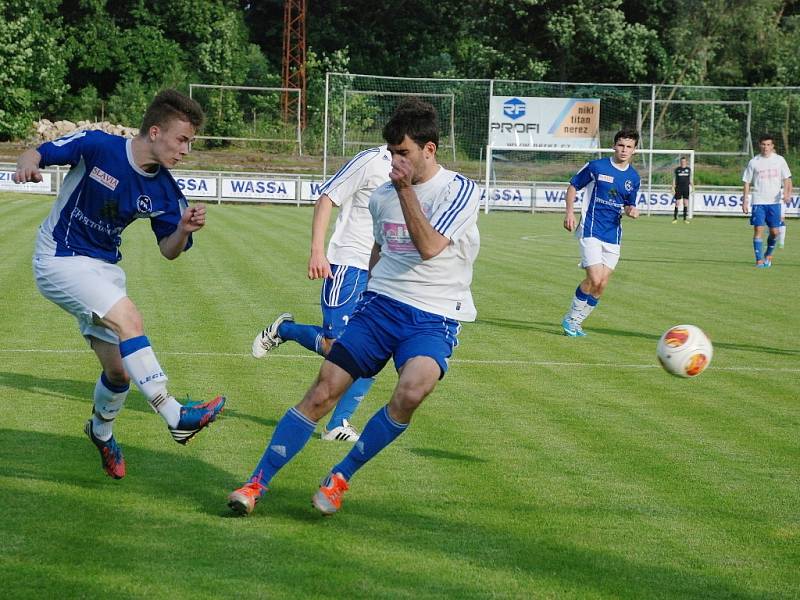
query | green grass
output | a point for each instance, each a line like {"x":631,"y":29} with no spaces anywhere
{"x":542,"y":466}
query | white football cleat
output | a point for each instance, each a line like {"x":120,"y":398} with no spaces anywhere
{"x":344,"y":433}
{"x":269,"y":338}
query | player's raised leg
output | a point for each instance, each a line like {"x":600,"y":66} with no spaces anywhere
{"x":141,"y":364}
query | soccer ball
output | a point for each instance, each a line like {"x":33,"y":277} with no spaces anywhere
{"x":684,"y":351}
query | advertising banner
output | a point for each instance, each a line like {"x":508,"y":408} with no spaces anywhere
{"x":525,"y":122}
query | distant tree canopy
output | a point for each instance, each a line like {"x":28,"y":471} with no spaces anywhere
{"x":90,"y":58}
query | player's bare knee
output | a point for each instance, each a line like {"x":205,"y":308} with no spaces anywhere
{"x":319,"y":400}
{"x":117,"y":376}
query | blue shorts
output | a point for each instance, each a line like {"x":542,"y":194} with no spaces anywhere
{"x":769,"y":214}
{"x":382,"y":328}
{"x":339,"y":298}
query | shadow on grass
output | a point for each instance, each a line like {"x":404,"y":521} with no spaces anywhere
{"x":445,"y":455}
{"x":160,"y":511}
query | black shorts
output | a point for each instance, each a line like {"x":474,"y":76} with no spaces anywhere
{"x":682,"y":195}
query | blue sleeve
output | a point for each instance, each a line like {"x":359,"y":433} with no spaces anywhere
{"x":166,"y":223}
{"x":67,"y":150}
{"x":582,"y":178}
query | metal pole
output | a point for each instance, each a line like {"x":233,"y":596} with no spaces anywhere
{"x":325,"y":130}
{"x":650,"y":166}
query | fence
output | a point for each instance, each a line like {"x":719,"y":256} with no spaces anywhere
{"x":718,"y":123}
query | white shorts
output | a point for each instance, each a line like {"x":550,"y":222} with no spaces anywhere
{"x":596,"y":252}
{"x":82,"y":286}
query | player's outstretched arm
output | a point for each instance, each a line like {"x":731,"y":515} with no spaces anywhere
{"x":318,"y":265}
{"x":28,"y":167}
{"x":193,"y":219}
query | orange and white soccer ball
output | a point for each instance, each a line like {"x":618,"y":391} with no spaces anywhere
{"x":684,"y":351}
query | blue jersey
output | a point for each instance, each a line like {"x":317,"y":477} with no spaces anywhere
{"x":103,"y":193}
{"x":609,"y":190}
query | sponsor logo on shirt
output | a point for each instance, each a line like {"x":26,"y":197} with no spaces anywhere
{"x":606,"y":178}
{"x":104,"y":178}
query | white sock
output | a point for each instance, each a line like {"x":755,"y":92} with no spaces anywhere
{"x":107,"y":404}
{"x":144,"y":370}
{"x":576,"y":310}
{"x":781,"y":234}
{"x":584,"y":312}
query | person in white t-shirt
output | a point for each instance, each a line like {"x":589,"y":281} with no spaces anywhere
{"x":344,"y":270}
{"x":426,"y":241}
{"x":771,"y":183}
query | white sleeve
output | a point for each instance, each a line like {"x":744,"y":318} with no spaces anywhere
{"x":747,"y":176}
{"x":785,"y":172}
{"x":459,"y":210}
{"x":350,"y":178}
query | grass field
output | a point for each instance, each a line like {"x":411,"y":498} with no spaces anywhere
{"x":541,"y":467}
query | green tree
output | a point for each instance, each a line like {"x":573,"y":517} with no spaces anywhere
{"x":32,"y":69}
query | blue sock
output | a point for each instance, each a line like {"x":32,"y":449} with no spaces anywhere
{"x":349,"y":401}
{"x":380,"y":431}
{"x":591,"y":300}
{"x":581,"y":295}
{"x":757,"y":245}
{"x":772,"y":241}
{"x":290,"y":435}
{"x":308,"y":336}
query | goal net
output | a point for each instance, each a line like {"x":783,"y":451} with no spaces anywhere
{"x":536,"y":179}
{"x":358,"y":106}
{"x":247,"y":116}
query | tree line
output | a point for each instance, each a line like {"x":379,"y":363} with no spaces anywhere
{"x":76,"y":59}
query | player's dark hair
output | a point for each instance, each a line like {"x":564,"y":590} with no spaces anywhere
{"x":628,"y":134}
{"x":169,"y":105}
{"x":414,"y":118}
{"x":765,"y":137}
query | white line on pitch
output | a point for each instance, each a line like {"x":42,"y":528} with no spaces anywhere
{"x":466,"y":361}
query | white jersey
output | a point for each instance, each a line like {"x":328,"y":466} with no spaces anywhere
{"x":767,"y":174}
{"x":440,"y":285}
{"x":350,"y":189}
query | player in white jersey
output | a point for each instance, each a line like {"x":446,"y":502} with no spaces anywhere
{"x":426,"y":241}
{"x":771,"y":183}
{"x":611,"y":186}
{"x":112,"y":183}
{"x":344,"y":270}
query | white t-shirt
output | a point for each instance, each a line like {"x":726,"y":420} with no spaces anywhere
{"x":440,"y":285}
{"x":767,"y":175}
{"x":350,"y":189}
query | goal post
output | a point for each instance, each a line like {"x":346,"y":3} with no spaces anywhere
{"x":236,"y":113}
{"x":543,"y":175}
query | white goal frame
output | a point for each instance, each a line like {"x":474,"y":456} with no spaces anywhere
{"x":599,"y":153}
{"x":299,"y":130}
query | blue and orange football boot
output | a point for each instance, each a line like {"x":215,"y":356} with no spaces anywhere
{"x":111,"y":458}
{"x":194,"y":417}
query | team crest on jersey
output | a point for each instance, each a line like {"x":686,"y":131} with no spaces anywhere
{"x":144,"y":205}
{"x":104,"y":178}
{"x":628,"y":185}
{"x":606,"y":178}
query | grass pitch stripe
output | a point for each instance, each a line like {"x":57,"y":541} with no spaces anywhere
{"x":464,"y":361}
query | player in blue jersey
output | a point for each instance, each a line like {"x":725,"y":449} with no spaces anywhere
{"x":112,"y":182}
{"x":345,"y":272}
{"x":426,"y":241}
{"x":610,"y":188}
